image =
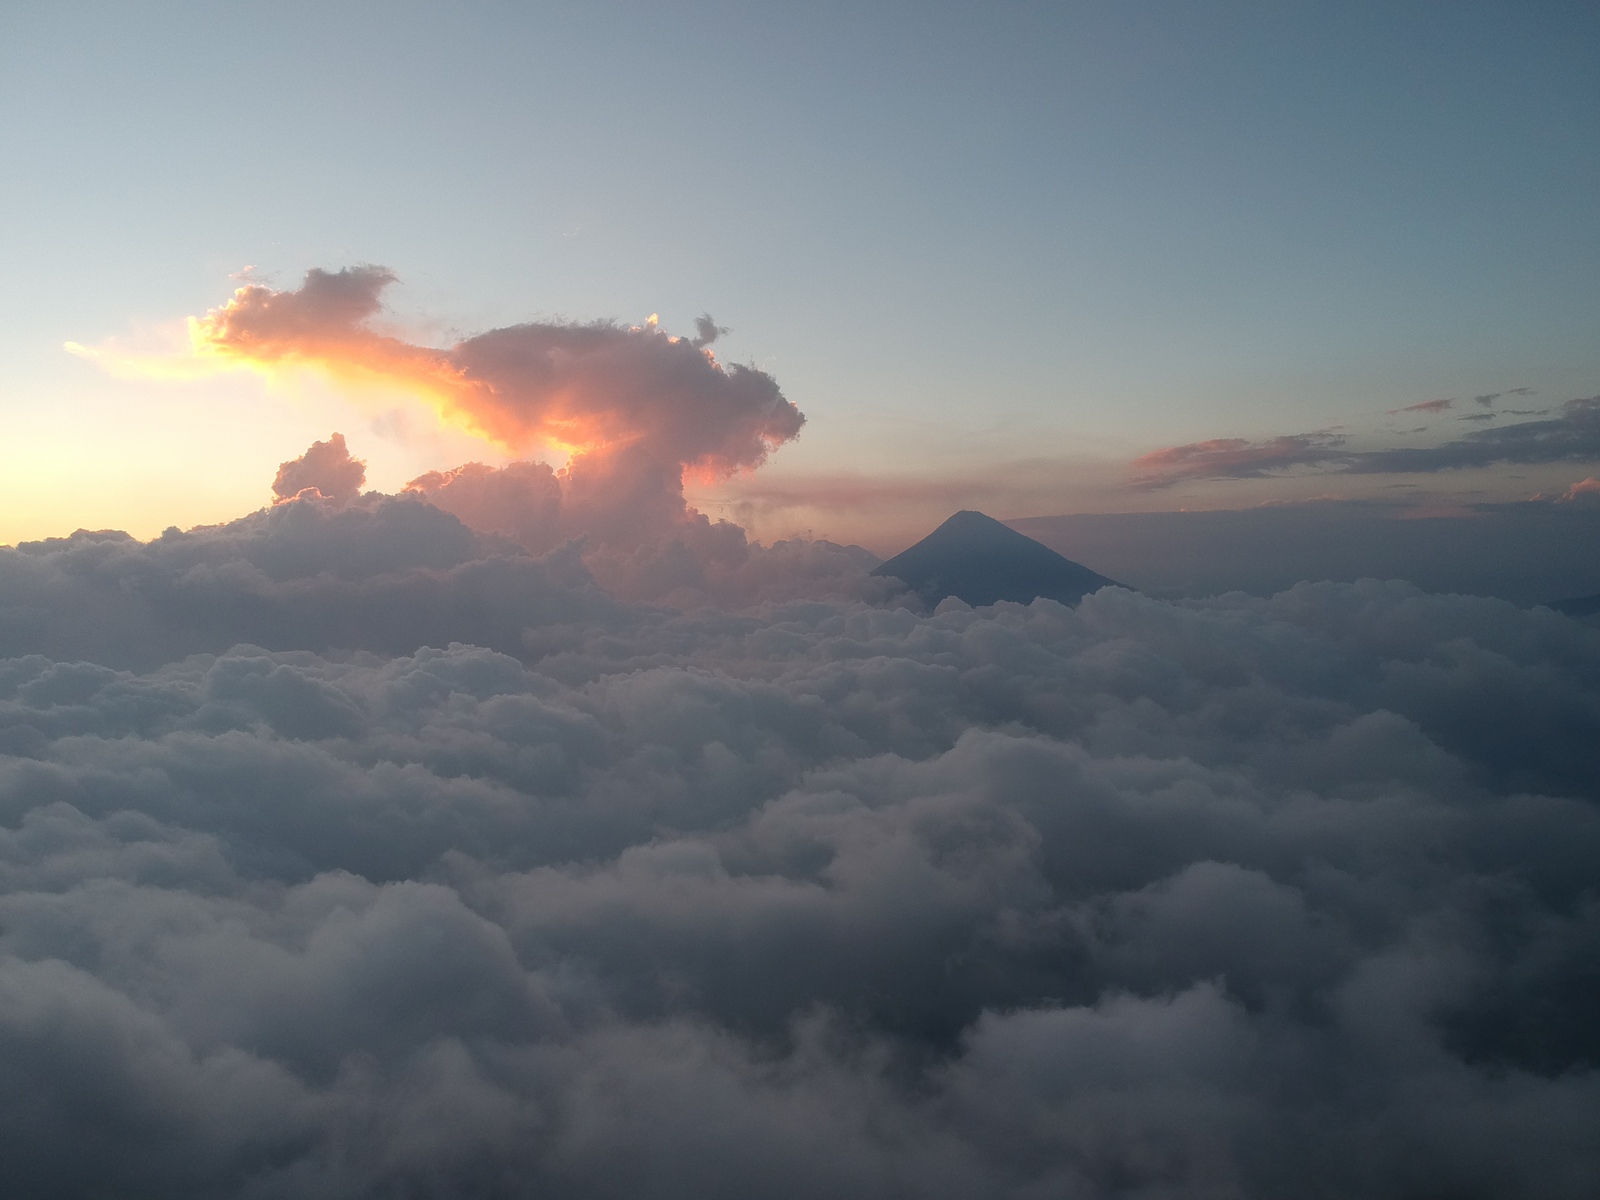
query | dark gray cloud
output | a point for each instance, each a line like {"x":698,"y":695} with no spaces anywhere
{"x":706,"y":330}
{"x":1573,"y":436}
{"x":469,"y":878}
{"x":1489,"y":398}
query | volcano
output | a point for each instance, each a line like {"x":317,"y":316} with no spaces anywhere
{"x":979,"y":560}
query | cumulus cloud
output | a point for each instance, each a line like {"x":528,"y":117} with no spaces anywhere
{"x":521,"y":501}
{"x":381,"y":574}
{"x":1573,"y":436}
{"x":326,"y":470}
{"x":639,"y":548}
{"x":633,"y":407}
{"x":592,"y":388}
{"x":464,"y":876}
{"x":476,"y":554}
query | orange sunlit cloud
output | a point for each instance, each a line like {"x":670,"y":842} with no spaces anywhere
{"x":582,"y":389}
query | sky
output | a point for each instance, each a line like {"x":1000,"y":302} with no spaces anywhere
{"x":435,"y":763}
{"x":996,"y":256}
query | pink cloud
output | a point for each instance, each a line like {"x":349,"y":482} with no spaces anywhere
{"x":1233,"y":458}
{"x":1585,"y":490}
{"x":326,"y":468}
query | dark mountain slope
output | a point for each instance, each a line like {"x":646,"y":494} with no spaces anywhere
{"x":978,"y":559}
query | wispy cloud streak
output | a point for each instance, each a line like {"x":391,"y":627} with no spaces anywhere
{"x":1573,"y":436}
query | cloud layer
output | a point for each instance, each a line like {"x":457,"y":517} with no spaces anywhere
{"x":529,"y":833}
{"x":1573,"y":436}
{"x":467,"y":877}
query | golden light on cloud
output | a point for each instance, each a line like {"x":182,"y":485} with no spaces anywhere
{"x":581,"y":390}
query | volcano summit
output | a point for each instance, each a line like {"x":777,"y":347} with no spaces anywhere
{"x":977,"y":559}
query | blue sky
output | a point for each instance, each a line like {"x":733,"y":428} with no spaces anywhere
{"x":962,"y":238}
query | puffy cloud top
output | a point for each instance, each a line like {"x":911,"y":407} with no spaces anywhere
{"x":326,"y":470}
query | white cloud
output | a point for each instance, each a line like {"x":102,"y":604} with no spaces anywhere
{"x":797,"y":897}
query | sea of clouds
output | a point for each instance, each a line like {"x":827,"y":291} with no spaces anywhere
{"x":348,"y":852}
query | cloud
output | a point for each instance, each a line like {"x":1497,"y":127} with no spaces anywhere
{"x":1489,"y":398}
{"x":381,"y":574}
{"x":463,"y":873}
{"x":1234,"y":458}
{"x":521,"y":501}
{"x":530,"y":833}
{"x":592,"y":389}
{"x":631,"y":407}
{"x":819,"y":899}
{"x":1574,"y":436}
{"x":707,"y":330}
{"x":476,"y":554}
{"x":326,"y":470}
{"x":1584,"y":490}
{"x":1427,"y":406}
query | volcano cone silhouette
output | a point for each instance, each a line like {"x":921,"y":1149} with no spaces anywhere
{"x":976,"y":558}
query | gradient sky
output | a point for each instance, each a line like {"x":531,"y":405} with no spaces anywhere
{"x":994,"y":254}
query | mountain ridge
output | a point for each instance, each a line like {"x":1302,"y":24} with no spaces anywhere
{"x":982,"y":561}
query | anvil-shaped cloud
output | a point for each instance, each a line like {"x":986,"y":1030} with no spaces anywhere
{"x":591,"y":389}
